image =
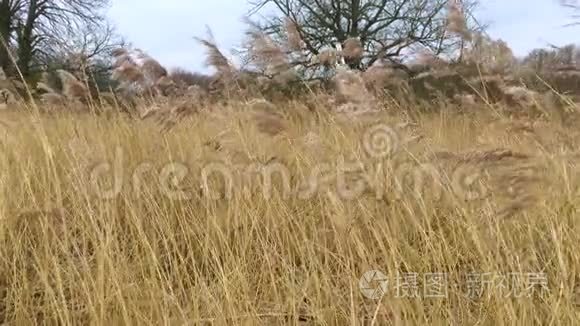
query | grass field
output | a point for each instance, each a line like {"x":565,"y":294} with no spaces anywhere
{"x":470,"y":218}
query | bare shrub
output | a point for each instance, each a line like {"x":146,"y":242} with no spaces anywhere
{"x":188,"y":78}
{"x":492,"y":56}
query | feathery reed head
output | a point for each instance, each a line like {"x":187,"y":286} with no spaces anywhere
{"x":266,"y":53}
{"x":119,"y":52}
{"x":128,"y":72}
{"x":327,"y":58}
{"x":166,"y":86}
{"x":152,"y":69}
{"x":294,"y":40}
{"x":121,"y":56}
{"x":350,"y":87}
{"x":71,"y":87}
{"x":353,"y":49}
{"x":456,"y":22}
{"x":53,"y":100}
{"x":378,"y":73}
{"x":42,"y":86}
{"x":215,"y":58}
{"x":48,"y":84}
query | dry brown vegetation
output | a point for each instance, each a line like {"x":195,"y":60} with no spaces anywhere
{"x":111,"y":215}
{"x":163,"y":250}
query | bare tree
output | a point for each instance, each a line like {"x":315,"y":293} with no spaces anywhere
{"x":9,"y":15}
{"x":85,"y":51}
{"x":82,"y":45}
{"x":554,"y":59}
{"x":574,"y":7}
{"x":384,"y":28}
{"x":47,"y":22}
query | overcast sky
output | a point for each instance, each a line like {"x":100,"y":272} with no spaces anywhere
{"x":165,"y":28}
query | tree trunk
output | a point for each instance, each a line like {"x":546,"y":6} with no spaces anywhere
{"x":353,"y":29}
{"x":26,"y":39}
{"x":6,"y":18}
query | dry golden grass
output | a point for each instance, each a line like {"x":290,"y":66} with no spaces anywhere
{"x":170,"y":249}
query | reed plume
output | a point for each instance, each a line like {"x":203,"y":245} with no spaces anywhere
{"x":53,"y":100}
{"x":352,"y":96}
{"x":456,"y":22}
{"x":350,"y":86}
{"x":327,"y":58}
{"x":128,"y":72}
{"x":266,"y":54}
{"x":72,"y":88}
{"x":151,"y":69}
{"x":353,"y":49}
{"x":509,"y":178}
{"x":294,"y":40}
{"x":215,"y":58}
